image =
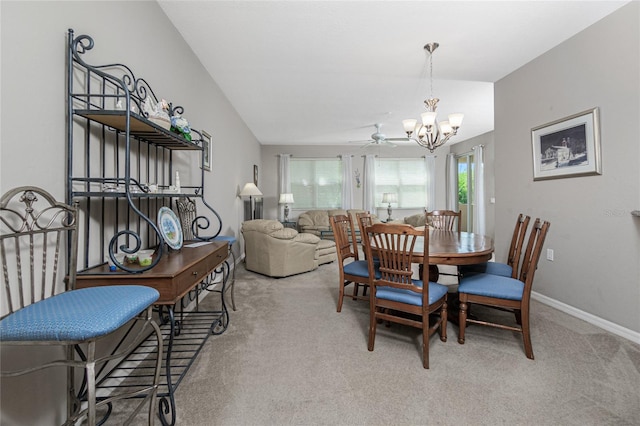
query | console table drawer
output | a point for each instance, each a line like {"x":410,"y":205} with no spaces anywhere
{"x":173,"y":276}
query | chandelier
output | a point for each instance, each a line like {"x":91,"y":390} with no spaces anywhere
{"x":429,"y":133}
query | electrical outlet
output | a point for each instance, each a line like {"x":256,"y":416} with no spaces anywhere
{"x":550,"y":254}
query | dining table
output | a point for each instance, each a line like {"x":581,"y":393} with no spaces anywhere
{"x":454,"y":248}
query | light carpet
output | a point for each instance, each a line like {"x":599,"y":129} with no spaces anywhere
{"x":288,"y":358}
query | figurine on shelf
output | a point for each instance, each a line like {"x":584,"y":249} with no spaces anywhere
{"x":157,"y":113}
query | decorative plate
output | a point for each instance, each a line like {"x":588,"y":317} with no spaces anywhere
{"x":170,"y":227}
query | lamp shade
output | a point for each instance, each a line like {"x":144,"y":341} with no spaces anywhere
{"x":286,"y":198}
{"x":250,"y":190}
{"x":389,"y":197}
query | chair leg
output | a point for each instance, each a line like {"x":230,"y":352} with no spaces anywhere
{"x":526,"y":335}
{"x":425,"y":340}
{"x":462,"y":318}
{"x":443,"y":321}
{"x":340,"y":296}
{"x":372,"y":327}
{"x":90,"y":371}
{"x":518,"y":314}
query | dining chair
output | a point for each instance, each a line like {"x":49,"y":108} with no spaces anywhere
{"x":505,"y":293}
{"x":352,"y":270}
{"x":395,"y":296}
{"x":509,"y":269}
{"x":448,"y":220}
{"x":41,"y":307}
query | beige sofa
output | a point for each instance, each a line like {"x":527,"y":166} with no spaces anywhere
{"x":317,"y":221}
{"x":276,"y":251}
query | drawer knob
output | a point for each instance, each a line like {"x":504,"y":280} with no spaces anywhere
{"x":195,"y":272}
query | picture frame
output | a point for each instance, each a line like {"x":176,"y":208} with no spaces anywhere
{"x":206,"y":151}
{"x":255,"y":175}
{"x":568,"y":147}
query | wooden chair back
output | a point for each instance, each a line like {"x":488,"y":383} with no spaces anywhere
{"x":394,"y":246}
{"x":445,"y":219}
{"x":532,"y":255}
{"x":36,"y":235}
{"x":365,"y":220}
{"x":345,"y":237}
{"x":517,"y":241}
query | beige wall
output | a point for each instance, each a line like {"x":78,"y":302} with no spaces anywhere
{"x":595,"y":239}
{"x":32,"y":139}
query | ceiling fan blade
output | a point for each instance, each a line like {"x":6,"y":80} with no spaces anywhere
{"x":397,"y":139}
{"x":362,"y":141}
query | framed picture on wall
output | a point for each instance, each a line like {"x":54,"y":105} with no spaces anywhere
{"x":206,"y":151}
{"x":568,"y":147}
{"x":255,"y":175}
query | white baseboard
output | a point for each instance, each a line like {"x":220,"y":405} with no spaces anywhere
{"x":614,"y":328}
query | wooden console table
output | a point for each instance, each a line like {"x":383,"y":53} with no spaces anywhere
{"x":177,"y":274}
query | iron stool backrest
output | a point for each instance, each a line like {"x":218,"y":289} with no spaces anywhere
{"x":34,"y":228}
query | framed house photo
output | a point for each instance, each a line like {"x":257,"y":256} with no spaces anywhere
{"x":568,"y":147}
{"x":206,"y":151}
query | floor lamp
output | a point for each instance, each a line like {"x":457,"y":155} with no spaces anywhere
{"x":251,"y":190}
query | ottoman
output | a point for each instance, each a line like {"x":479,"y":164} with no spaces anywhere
{"x":326,"y":252}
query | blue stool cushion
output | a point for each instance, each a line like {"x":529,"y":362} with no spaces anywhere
{"x":492,"y":286}
{"x":359,"y":268}
{"x":77,"y":315}
{"x":228,"y":239}
{"x":436,"y":291}
{"x":493,"y":268}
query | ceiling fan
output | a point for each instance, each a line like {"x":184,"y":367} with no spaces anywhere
{"x":380,"y":139}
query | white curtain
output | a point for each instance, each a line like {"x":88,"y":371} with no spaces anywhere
{"x":430,"y":163}
{"x":452,"y":183}
{"x":369,"y":184}
{"x":347,"y":184}
{"x":284,"y":180}
{"x":478,"y":194}
{"x":283,"y":175}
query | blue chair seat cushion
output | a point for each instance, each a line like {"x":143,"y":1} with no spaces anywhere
{"x":77,"y":315}
{"x":492,"y":286}
{"x":436,"y":291}
{"x":360,"y":268}
{"x":493,"y":268}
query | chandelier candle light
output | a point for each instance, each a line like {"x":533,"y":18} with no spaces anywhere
{"x":388,"y":198}
{"x":430,"y":134}
{"x":286,"y":199}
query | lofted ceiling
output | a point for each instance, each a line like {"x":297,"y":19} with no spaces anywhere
{"x":323,"y":72}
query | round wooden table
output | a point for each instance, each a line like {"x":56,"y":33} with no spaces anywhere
{"x":454,"y":248}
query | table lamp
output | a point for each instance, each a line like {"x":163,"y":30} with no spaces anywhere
{"x":286,"y":199}
{"x":388,"y":198}
{"x":251,"y":190}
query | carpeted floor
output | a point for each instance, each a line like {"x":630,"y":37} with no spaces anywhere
{"x":288,"y":358}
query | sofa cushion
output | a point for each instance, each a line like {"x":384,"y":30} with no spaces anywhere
{"x":304,"y":237}
{"x":416,"y":220}
{"x":265,"y":226}
{"x":284,"y":233}
{"x":314,"y":218}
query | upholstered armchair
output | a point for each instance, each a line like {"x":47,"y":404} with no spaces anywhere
{"x":276,"y":251}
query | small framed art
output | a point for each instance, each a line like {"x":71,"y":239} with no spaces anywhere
{"x":206,"y":151}
{"x":568,"y":147}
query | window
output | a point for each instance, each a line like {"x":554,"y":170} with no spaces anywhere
{"x":405,"y":177}
{"x":466,"y":179}
{"x":316,"y":183}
